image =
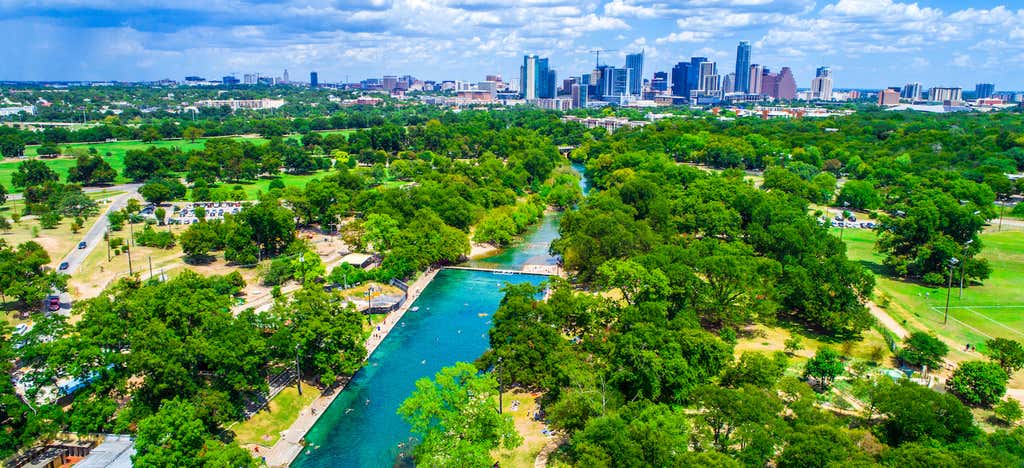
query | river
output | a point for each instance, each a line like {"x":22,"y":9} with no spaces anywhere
{"x":362,"y":428}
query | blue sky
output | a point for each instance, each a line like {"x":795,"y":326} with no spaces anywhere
{"x":869,"y":43}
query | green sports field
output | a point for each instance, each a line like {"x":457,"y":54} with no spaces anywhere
{"x":992,"y":309}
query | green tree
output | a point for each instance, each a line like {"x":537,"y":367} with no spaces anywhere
{"x":859,"y":195}
{"x":91,"y":170}
{"x":634,"y":281}
{"x":1008,"y":411}
{"x":821,"y":446}
{"x":192,"y":133}
{"x":32,"y":172}
{"x":380,"y":231}
{"x":159,"y":190}
{"x":456,"y":418}
{"x":757,"y":369}
{"x":11,"y":146}
{"x":176,"y":436}
{"x":1008,"y":353}
{"x":824,"y":367}
{"x":915,"y":413}
{"x":978,"y":382}
{"x":922,"y":349}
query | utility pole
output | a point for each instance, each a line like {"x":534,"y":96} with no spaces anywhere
{"x":128,"y":248}
{"x":151,"y":267}
{"x":949,"y":287}
{"x":500,"y":388}
{"x":298,"y":371}
{"x":963,"y":264}
{"x":106,"y":240}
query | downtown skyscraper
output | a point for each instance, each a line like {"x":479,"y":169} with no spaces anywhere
{"x":536,"y":79}
{"x":741,"y":83}
{"x":635,"y":65}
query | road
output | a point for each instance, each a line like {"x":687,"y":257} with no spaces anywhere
{"x":94,"y":237}
{"x":130,"y":188}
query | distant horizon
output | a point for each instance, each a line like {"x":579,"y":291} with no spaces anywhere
{"x":869,"y":44}
{"x":181,"y":82}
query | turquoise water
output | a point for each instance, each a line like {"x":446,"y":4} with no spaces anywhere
{"x":361,"y":428}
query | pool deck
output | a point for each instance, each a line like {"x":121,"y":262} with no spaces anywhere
{"x":289,"y":446}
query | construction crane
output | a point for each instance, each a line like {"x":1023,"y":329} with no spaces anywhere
{"x":597,"y":55}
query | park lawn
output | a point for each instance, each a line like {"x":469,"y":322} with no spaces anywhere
{"x":768,"y":339}
{"x":266,"y":426}
{"x":96,"y":272}
{"x":991,"y":309}
{"x":299,"y":181}
{"x":57,"y":242}
{"x":112,"y":152}
{"x":533,"y":439}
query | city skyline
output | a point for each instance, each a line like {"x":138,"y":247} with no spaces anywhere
{"x":869,"y":43}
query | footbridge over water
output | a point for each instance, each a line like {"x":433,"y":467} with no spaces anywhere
{"x":528,"y":269}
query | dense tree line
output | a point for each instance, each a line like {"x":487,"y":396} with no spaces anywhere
{"x":935,"y":177}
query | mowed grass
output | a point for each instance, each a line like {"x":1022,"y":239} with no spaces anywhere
{"x":265,"y":427}
{"x":993,"y":308}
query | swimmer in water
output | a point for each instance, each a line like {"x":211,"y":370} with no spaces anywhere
{"x":423,"y":361}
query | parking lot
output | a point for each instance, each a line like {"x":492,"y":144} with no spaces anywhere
{"x":851,"y":222}
{"x":186,"y":213}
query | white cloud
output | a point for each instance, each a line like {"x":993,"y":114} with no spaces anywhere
{"x":684,"y":36}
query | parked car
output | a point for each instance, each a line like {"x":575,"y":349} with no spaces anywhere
{"x":82,"y":245}
{"x":63,"y":266}
{"x":53,"y":302}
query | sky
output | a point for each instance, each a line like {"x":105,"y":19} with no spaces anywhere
{"x":868,"y":43}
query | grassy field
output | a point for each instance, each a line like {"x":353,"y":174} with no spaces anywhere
{"x":992,"y":309}
{"x":266,"y":426}
{"x":533,"y":439}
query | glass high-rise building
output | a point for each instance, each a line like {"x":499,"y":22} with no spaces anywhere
{"x":742,"y":81}
{"x":984,"y":90}
{"x":314,"y":80}
{"x":680,"y":79}
{"x":635,"y":65}
{"x":537,"y":81}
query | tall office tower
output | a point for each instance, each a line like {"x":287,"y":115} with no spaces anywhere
{"x":536,"y":78}
{"x":579,"y":95}
{"x":769,"y":84}
{"x":786,"y":85}
{"x":284,"y":77}
{"x":250,"y":78}
{"x":952,"y":95}
{"x":821,"y":85}
{"x":755,"y":84}
{"x":681,"y":79}
{"x":635,"y":65}
{"x":388,"y":82}
{"x":729,"y":83}
{"x":550,"y":88}
{"x":889,"y":97}
{"x":694,"y":78}
{"x":911,"y":91}
{"x":660,"y":81}
{"x":708,"y":79}
{"x":984,"y":90}
{"x":229,"y":80}
{"x":742,"y":80}
{"x":314,"y":80}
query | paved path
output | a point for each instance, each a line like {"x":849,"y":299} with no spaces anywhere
{"x":886,"y":320}
{"x":94,"y":236}
{"x":289,"y":446}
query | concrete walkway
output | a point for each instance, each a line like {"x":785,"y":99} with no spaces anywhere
{"x":289,"y":446}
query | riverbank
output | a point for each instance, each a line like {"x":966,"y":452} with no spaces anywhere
{"x":290,"y":444}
